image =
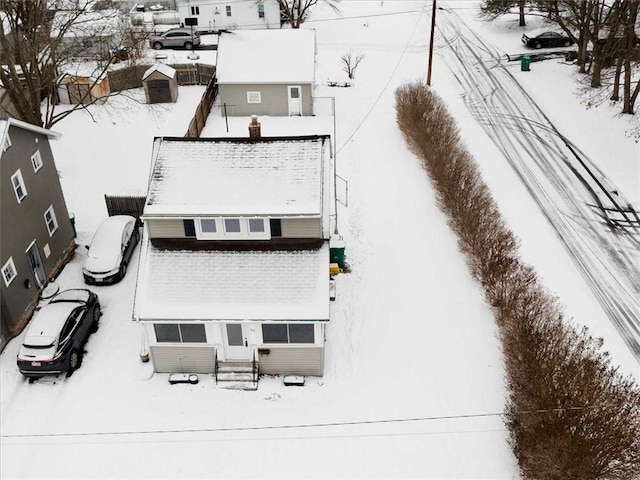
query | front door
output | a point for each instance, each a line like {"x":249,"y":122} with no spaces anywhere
{"x":35,"y":262}
{"x":236,"y":342}
{"x":294,"y":94}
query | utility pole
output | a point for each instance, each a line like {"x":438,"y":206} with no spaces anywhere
{"x":433,"y":28}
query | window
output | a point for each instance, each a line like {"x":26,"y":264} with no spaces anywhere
{"x":228,"y":9}
{"x":221,"y":228}
{"x":288,"y":333}
{"x":254,"y":97}
{"x":18,"y":186}
{"x":232,"y":225}
{"x":256,"y":225}
{"x":195,"y":10}
{"x":36,"y":161}
{"x":181,"y":333}
{"x":9,"y":272}
{"x":260,"y":10}
{"x":7,"y":143}
{"x":208,"y":225}
{"x":50,"y":220}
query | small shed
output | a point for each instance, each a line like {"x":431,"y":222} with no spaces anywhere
{"x":160,"y":84}
{"x":83,"y":87}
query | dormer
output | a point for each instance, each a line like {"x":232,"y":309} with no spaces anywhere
{"x":237,"y":193}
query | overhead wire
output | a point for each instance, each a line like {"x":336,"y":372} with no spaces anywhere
{"x":305,"y":425}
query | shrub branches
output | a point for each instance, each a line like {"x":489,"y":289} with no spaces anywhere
{"x":570,"y":414}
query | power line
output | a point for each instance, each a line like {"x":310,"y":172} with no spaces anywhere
{"x":304,"y":425}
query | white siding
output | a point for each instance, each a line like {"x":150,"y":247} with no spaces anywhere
{"x":301,"y":228}
{"x":293,"y":361}
{"x":181,"y":358}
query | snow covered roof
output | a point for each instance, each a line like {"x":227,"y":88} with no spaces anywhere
{"x":189,"y":285}
{"x":238,"y":176}
{"x":163,"y":68}
{"x":267,"y":56}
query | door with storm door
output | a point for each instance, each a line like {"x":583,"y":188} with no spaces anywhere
{"x":35,"y":262}
{"x":294,"y":94}
{"x":236,"y":342}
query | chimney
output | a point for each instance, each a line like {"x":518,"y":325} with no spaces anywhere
{"x":254,"y":127}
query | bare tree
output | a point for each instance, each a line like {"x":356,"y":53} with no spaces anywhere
{"x":41,"y":41}
{"x":295,"y":12}
{"x":492,"y":9}
{"x":350,"y":62}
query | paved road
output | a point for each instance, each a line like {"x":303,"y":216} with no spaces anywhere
{"x":595,"y":223}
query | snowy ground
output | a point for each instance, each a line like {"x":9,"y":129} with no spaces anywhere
{"x":413,"y":381}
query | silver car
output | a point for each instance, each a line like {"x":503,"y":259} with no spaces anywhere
{"x":176,"y":37}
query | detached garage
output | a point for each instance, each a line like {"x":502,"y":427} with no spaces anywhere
{"x":160,"y":84}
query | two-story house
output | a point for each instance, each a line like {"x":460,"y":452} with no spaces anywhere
{"x":235,"y":256}
{"x":230,"y":14}
{"x":36,"y":234}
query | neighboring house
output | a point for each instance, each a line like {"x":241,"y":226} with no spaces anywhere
{"x":235,"y":258}
{"x":230,"y":14}
{"x":36,"y":234}
{"x":93,"y":34}
{"x":267,"y":72}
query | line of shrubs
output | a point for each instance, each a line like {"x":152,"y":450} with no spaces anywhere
{"x":570,"y":414}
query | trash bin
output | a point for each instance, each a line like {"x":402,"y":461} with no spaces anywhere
{"x":72,"y":218}
{"x":525,"y":62}
{"x":336,"y":251}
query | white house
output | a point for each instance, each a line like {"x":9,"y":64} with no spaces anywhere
{"x":234,"y":267}
{"x":266,"y":72}
{"x":230,"y":14}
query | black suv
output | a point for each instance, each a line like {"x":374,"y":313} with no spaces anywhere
{"x":55,"y":340}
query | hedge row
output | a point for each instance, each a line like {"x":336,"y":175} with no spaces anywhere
{"x":570,"y":414}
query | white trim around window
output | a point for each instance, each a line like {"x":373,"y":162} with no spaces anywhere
{"x":18,"y":186}
{"x":9,"y":272}
{"x":51,"y":220}
{"x":36,"y":161}
{"x":254,"y":97}
{"x":7,"y":143}
{"x":232,"y":228}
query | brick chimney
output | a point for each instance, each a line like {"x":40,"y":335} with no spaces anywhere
{"x":254,"y":127}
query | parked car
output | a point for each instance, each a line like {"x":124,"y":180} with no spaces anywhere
{"x":110,"y":250}
{"x":545,"y":39}
{"x":176,"y":37}
{"x":54,"y":342}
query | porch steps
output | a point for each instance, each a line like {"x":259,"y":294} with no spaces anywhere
{"x":236,"y":376}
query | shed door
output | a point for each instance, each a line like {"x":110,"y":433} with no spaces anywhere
{"x":159,"y":91}
{"x":294,"y":94}
{"x":79,"y":93}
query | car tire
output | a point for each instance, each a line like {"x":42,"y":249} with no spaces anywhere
{"x":537,"y":45}
{"x":567,"y":43}
{"x":188,"y":45}
{"x":157,"y":45}
{"x":96,"y":318}
{"x":75,"y":360}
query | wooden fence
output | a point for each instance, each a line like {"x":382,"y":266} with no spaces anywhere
{"x":125,"y":205}
{"x":203,"y":109}
{"x":186,"y":74}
